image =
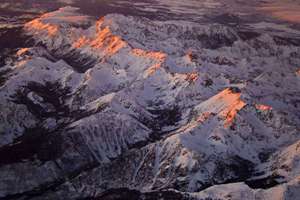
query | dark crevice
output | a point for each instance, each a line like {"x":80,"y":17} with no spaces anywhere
{"x":217,"y":39}
{"x":36,"y":143}
{"x":12,"y":39}
{"x":285,"y":41}
{"x":248,"y":35}
{"x":50,"y":99}
{"x":78,"y":61}
{"x":51,"y":186}
{"x":4,"y":76}
{"x":265,"y":183}
{"x":166,"y":117}
{"x":41,"y":142}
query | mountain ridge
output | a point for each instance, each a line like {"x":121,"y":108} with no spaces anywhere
{"x":156,"y":108}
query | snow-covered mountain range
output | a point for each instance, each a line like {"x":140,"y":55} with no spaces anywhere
{"x":129,"y":108}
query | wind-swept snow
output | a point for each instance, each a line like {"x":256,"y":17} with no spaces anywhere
{"x":126,"y":102}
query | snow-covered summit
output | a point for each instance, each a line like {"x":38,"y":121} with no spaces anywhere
{"x":125,"y":104}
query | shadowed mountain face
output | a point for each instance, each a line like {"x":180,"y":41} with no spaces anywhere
{"x":138,"y":100}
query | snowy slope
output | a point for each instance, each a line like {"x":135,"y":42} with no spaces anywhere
{"x":150,"y":107}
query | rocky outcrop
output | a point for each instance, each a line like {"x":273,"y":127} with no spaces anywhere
{"x":128,"y":107}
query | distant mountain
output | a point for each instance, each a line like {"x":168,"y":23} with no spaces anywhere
{"x":131,"y":108}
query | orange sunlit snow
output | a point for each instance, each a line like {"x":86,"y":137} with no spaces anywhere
{"x":38,"y":25}
{"x":158,"y":57}
{"x":234,"y":102}
{"x":262,"y":107}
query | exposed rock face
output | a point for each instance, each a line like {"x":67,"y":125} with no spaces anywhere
{"x":125,"y":107}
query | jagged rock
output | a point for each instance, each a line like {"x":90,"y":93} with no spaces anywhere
{"x":129,"y":107}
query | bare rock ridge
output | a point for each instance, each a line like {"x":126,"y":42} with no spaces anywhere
{"x":128,"y":108}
